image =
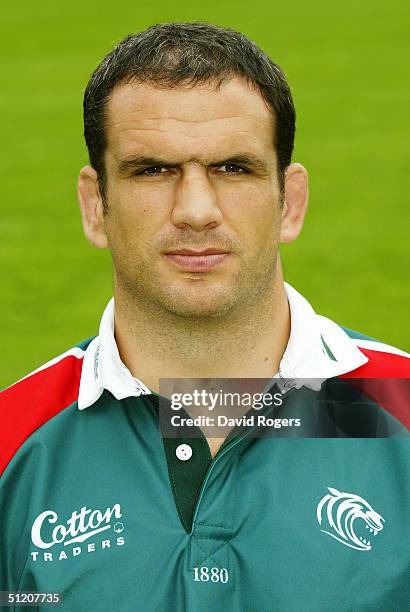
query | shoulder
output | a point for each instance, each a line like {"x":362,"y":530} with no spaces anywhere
{"x":384,"y":360}
{"x":384,"y":378}
{"x":36,"y":398}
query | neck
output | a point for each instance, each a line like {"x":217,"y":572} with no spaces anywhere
{"x":246,"y":343}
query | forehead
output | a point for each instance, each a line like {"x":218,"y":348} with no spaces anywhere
{"x":188,"y":121}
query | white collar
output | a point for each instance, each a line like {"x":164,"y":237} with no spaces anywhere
{"x":317,"y":349}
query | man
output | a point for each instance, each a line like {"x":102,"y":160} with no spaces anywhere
{"x":190,"y":131}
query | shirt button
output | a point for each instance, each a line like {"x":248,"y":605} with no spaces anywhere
{"x":289,"y":384}
{"x":183,"y":452}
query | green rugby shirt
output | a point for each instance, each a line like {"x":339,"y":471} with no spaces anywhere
{"x":97,"y":505}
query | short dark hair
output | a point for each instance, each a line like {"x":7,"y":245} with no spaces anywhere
{"x":186,"y":54}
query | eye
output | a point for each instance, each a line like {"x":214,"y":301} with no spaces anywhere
{"x":154,"y":170}
{"x":232,"y":169}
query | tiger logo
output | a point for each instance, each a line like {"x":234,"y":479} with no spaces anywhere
{"x":343,"y":513}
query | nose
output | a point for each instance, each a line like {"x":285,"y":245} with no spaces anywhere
{"x":195,"y":202}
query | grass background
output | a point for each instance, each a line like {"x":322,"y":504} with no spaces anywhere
{"x":347,"y":64}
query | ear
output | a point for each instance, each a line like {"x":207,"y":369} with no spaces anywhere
{"x":91,"y":206}
{"x":295,"y":202}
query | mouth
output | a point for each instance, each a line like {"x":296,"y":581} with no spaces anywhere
{"x":371,"y":529}
{"x":197,"y":261}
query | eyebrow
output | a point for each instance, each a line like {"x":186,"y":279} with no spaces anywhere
{"x":139,"y":162}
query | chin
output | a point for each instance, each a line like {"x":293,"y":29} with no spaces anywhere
{"x":200,"y":311}
{"x":209,"y":314}
{"x":197,"y":306}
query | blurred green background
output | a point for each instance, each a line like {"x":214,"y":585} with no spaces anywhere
{"x":347,"y":64}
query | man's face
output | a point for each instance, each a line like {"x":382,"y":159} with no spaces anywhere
{"x":192,"y":169}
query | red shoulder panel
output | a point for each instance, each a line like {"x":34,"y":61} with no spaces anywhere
{"x":31,"y":402}
{"x":388,"y":382}
{"x":381,"y":365}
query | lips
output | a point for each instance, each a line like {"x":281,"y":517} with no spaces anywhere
{"x":210,"y":251}
{"x":197,"y":261}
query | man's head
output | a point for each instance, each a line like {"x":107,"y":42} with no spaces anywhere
{"x":190,"y":131}
{"x":186,"y":54}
